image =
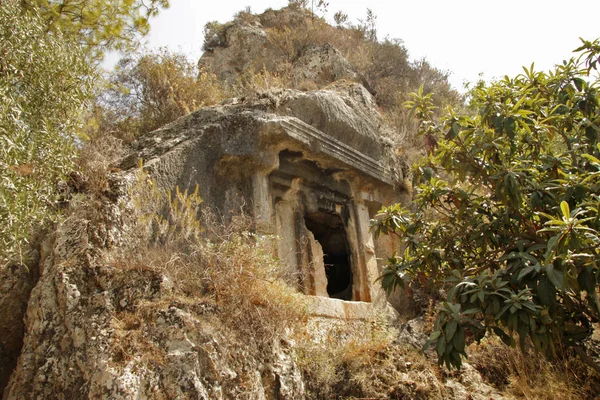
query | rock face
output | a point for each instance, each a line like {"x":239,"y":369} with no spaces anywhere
{"x":16,"y":282}
{"x":85,"y":336}
{"x":249,"y":46}
{"x":310,"y":168}
{"x":243,"y":43}
{"x":323,"y":65}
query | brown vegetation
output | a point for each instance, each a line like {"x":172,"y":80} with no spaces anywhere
{"x":149,"y":90}
{"x":529,"y":375}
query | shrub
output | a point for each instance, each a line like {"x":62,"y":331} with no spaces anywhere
{"x":507,"y":210}
{"x":527,"y":374}
{"x":97,"y":25}
{"x":151,"y":89}
{"x":44,"y":85}
{"x":361,"y":360}
{"x":221,"y":261}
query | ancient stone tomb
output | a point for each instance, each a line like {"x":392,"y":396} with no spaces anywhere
{"x":311,"y":169}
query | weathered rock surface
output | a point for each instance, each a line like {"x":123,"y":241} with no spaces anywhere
{"x":286,"y":157}
{"x":323,"y":65}
{"x":89,"y":332}
{"x":87,"y":335}
{"x":239,"y":137}
{"x":16,"y":282}
{"x":467,"y":385}
{"x":237,"y":51}
{"x":248,"y":46}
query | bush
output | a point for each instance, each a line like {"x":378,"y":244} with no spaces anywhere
{"x":507,"y":210}
{"x":151,"y":89}
{"x":225,"y":262}
{"x":44,"y":85}
{"x":527,"y":374}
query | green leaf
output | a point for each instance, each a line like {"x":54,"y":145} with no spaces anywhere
{"x":510,"y":126}
{"x":525,"y":271}
{"x":459,"y":340}
{"x":441,"y":346}
{"x":579,"y":83}
{"x":450,"y":329}
{"x":587,"y":280}
{"x":546,"y":291}
{"x":591,"y":158}
{"x":502,"y":335}
{"x":552,"y":243}
{"x":454,"y":130}
{"x":556,"y":277}
{"x":564,"y":206}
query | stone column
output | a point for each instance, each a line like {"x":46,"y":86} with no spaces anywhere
{"x":287,"y":245}
{"x":261,"y":202}
{"x":360,"y":284}
{"x":366,"y":240}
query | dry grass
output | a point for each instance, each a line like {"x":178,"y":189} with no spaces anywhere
{"x":224,"y":267}
{"x":252,"y":82}
{"x":361,"y":360}
{"x":131,"y":342}
{"x":222,"y":271}
{"x":95,"y":162}
{"x":228,"y":275}
{"x":529,"y":375}
{"x":384,"y":64}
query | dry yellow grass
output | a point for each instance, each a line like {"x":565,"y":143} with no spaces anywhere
{"x":528,"y":375}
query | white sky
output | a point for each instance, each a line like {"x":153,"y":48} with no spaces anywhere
{"x":466,"y":37}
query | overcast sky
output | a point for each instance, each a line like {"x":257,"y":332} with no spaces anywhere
{"x":466,"y":37}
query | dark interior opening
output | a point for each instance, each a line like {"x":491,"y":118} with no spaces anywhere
{"x":328,"y":230}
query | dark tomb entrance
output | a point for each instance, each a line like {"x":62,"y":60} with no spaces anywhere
{"x":328,"y":230}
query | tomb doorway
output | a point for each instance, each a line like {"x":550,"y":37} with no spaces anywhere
{"x":328,"y":229}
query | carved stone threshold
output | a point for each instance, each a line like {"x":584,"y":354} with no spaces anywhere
{"x":325,"y":307}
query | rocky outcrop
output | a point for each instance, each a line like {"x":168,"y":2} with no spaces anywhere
{"x":287,"y":158}
{"x":99,"y":325}
{"x":322,"y":65}
{"x":89,"y":336}
{"x":254,"y":130}
{"x":86,"y":332}
{"x":250,"y":46}
{"x":235,"y":51}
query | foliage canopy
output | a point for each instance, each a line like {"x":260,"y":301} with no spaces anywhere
{"x":98,"y":25}
{"x":44,"y":83}
{"x":506,"y":210}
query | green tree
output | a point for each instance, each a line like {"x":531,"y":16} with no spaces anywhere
{"x":506,"y":210}
{"x":44,"y":84}
{"x":151,"y":89}
{"x":98,"y":25}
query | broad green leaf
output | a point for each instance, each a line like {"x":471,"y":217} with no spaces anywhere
{"x":441,"y":346}
{"x":525,"y":271}
{"x":591,"y":158}
{"x":564,"y":206}
{"x":546,"y":291}
{"x":556,"y":277}
{"x":458,"y":340}
{"x":450,"y":329}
